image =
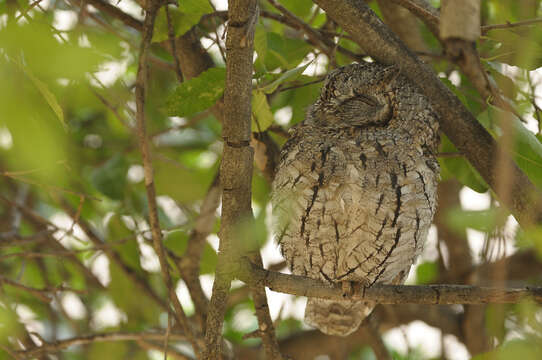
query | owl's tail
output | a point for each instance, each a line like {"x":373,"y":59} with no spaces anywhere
{"x":340,"y":318}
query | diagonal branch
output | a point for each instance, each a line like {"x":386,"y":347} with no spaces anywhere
{"x":140,"y":90}
{"x":41,"y":294}
{"x":189,"y":264}
{"x":266,"y":327}
{"x":467,"y":134}
{"x":461,"y":52}
{"x":326,"y":44}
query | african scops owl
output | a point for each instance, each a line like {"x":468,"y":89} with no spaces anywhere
{"x":355,"y":191}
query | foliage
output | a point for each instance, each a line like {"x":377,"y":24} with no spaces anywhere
{"x":69,"y":155}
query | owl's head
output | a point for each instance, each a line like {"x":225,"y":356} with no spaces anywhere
{"x":356,"y":95}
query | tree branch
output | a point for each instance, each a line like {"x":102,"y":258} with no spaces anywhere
{"x":115,"y":258}
{"x":456,"y":121}
{"x":55,"y":346}
{"x":508,"y":25}
{"x":324,"y":43}
{"x":140,"y":92}
{"x":189,"y":265}
{"x":461,"y":52}
{"x":115,"y":12}
{"x":266,"y":327}
{"x":41,"y":294}
{"x":387,"y":294}
{"x":308,"y":345}
{"x":237,"y":160}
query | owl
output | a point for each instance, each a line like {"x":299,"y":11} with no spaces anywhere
{"x":355,"y":190}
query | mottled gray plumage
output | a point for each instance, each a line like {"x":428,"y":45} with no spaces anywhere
{"x":354,"y":194}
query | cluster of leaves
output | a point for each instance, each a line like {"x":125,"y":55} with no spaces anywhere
{"x":67,"y":133}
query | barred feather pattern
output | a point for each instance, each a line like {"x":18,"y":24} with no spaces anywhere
{"x":355,"y":190}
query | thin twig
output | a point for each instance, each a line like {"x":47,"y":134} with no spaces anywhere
{"x":169,"y":352}
{"x":140,"y":91}
{"x":375,"y":339}
{"x":508,"y":25}
{"x":265,"y":324}
{"x":189,"y":264}
{"x":322,"y":42}
{"x":115,"y":12}
{"x":423,"y":10}
{"x":41,"y":294}
{"x":52,"y":347}
{"x":460,"y":52}
{"x":318,"y":80}
{"x":17,"y":175}
{"x":12,"y":353}
{"x":45,"y":225}
{"x":171,"y":37}
{"x":115,"y":258}
{"x":25,"y":12}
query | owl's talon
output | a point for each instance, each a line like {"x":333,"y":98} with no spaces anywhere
{"x":347,"y":288}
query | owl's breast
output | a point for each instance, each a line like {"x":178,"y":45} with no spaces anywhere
{"x":352,"y":205}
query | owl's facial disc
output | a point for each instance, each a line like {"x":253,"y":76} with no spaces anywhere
{"x":356,"y":96}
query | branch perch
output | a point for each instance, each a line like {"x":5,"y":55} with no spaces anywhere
{"x":388,"y":294}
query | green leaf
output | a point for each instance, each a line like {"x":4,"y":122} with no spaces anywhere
{"x":504,"y":82}
{"x":524,"y":349}
{"x":529,"y":238}
{"x":46,"y":93}
{"x":527,"y":149}
{"x":35,"y":45}
{"x":124,"y":241}
{"x":518,"y":47}
{"x":301,"y":8}
{"x":260,"y":42}
{"x":494,"y":321}
{"x":181,"y":183}
{"x":197,"y":94}
{"x":183,"y":18}
{"x":10,"y":325}
{"x":459,"y":168}
{"x":481,"y":220}
{"x":38,"y":139}
{"x":128,"y":297}
{"x":426,"y":272}
{"x":283,"y":52}
{"x":208,"y":260}
{"x":291,"y":74}
{"x":110,"y":178}
{"x":454,"y":89}
{"x":262,"y":117}
{"x":251,"y":233}
{"x":177,"y":242}
{"x":299,"y":99}
{"x":107,"y":350}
